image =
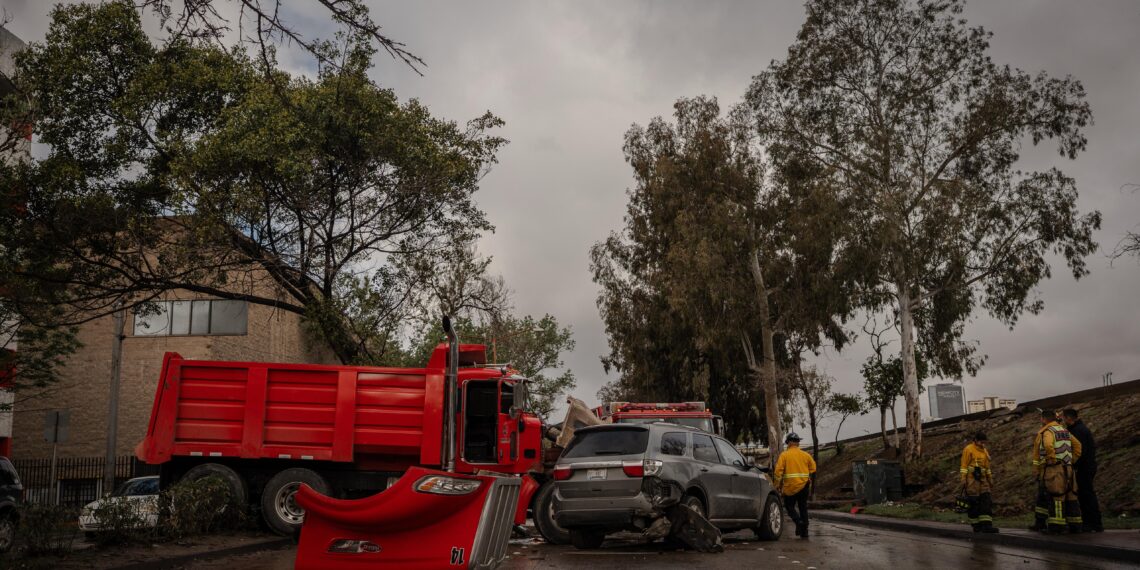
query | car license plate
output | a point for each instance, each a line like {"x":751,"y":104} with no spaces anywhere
{"x":595,"y":474}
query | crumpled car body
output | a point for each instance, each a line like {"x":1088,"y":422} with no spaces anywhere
{"x":630,"y":477}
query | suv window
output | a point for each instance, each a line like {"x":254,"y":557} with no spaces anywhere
{"x":703,"y":449}
{"x":729,"y":454}
{"x":608,"y":442}
{"x":674,"y":443}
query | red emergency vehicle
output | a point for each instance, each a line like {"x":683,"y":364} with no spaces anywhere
{"x":345,"y":431}
{"x":691,"y":414}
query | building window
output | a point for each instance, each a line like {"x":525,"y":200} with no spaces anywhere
{"x":180,"y":318}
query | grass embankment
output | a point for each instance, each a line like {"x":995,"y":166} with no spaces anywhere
{"x":914,"y":511}
{"x":1113,"y":421}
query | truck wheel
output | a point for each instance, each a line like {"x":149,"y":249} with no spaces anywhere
{"x":587,"y":538}
{"x":279,"y":506}
{"x":544,"y":516}
{"x":771,"y":523}
{"x":229,"y":476}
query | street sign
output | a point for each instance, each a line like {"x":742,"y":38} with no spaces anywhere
{"x":55,"y":426}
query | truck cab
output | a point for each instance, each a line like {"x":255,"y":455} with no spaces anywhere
{"x":496,"y":432}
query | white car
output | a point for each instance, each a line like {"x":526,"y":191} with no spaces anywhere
{"x":141,"y":493}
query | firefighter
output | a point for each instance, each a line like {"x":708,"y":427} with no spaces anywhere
{"x":978,"y":483}
{"x":1054,"y":452}
{"x":1086,"y":471}
{"x":795,"y":472}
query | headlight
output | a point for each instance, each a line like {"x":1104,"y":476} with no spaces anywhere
{"x":441,"y":485}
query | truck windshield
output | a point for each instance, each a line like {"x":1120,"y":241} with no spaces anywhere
{"x":608,"y":442}
{"x":703,"y":424}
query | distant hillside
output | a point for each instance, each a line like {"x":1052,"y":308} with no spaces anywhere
{"x":1113,"y":415}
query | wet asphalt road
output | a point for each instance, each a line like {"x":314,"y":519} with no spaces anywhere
{"x":831,"y":546}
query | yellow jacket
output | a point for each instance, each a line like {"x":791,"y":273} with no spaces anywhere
{"x":976,"y":457}
{"x":1045,"y":447}
{"x":793,"y":470}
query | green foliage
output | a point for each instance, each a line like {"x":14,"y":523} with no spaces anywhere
{"x":123,"y":521}
{"x":896,"y":108}
{"x":182,"y":166}
{"x":47,"y":529}
{"x":201,"y":506}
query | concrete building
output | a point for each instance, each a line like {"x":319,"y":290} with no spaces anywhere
{"x":946,"y":400}
{"x":990,"y":403}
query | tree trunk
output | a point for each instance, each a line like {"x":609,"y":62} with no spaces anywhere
{"x":910,"y":377}
{"x":883,"y":426}
{"x":768,"y":346}
{"x":895,"y":425}
{"x":813,"y":422}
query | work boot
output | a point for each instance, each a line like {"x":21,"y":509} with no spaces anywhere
{"x":799,"y":530}
{"x":989,"y":528}
{"x":804,"y":534}
{"x":977,"y":527}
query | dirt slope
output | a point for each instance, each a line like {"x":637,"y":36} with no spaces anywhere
{"x":1114,"y":421}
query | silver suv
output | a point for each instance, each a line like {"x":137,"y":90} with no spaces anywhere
{"x":627,"y":476}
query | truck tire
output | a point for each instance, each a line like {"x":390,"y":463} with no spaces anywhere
{"x":771,"y":520}
{"x":544,"y":516}
{"x":587,"y":538}
{"x":234,"y":481}
{"x":278,"y":504}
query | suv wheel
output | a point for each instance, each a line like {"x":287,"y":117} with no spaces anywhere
{"x":694,"y":503}
{"x":544,"y":516}
{"x":771,"y":523}
{"x":587,"y":538}
{"x":7,"y":531}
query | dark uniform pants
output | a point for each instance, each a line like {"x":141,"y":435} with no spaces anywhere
{"x":981,"y":512}
{"x":1060,"y":509}
{"x":799,"y":502}
{"x":1086,"y":496}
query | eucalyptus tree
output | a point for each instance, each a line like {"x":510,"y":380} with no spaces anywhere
{"x":725,"y":259}
{"x":898,"y":105}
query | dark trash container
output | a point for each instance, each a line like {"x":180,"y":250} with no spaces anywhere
{"x":877,"y":481}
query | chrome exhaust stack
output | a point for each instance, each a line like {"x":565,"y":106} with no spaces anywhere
{"x":450,"y":395}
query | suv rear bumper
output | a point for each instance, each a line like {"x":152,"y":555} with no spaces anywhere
{"x":607,"y":512}
{"x":615,"y":512}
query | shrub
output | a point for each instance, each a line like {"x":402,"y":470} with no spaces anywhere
{"x":197,"y":507}
{"x":47,"y":529}
{"x":123,"y":521}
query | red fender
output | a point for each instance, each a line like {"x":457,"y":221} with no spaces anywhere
{"x":408,"y":527}
{"x":526,"y":493}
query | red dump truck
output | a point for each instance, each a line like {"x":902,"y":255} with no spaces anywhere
{"x":345,"y":431}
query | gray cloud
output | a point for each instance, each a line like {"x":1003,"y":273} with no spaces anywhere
{"x":569,"y":79}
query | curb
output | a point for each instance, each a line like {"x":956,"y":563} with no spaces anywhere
{"x":1003,"y":539}
{"x":185,"y":559}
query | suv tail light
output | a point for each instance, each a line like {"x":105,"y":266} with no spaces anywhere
{"x":647,"y":468}
{"x":561,"y":472}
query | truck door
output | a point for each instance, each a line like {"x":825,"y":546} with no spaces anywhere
{"x":508,"y":428}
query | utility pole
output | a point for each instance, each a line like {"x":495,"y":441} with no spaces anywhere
{"x":113,"y":400}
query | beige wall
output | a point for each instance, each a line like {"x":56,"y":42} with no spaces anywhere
{"x":272,"y":335}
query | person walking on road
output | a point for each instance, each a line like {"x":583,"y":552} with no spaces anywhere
{"x":1086,"y":471}
{"x":795,"y":471}
{"x":978,"y":483}
{"x":1054,"y":451}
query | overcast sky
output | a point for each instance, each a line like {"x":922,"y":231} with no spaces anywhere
{"x":570,"y":78}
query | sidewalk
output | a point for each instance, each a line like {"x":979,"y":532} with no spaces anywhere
{"x":1122,"y":545}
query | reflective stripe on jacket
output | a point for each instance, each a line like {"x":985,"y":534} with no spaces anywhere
{"x":975,"y":458}
{"x":1054,"y":444}
{"x":793,"y":470}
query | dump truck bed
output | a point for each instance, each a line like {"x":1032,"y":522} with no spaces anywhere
{"x":294,"y":411}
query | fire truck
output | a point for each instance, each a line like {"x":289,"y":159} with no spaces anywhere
{"x":691,"y":414}
{"x":347,"y":432}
